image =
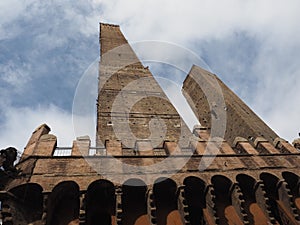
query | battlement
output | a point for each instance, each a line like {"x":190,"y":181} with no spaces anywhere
{"x":41,"y":143}
{"x":245,"y":169}
{"x":202,"y":154}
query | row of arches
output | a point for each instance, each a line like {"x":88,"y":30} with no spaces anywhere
{"x":266,"y":201}
{"x":101,"y":205}
{"x":269,"y":200}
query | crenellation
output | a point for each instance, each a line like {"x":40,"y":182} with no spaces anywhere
{"x":264,"y":147}
{"x":243,"y":146}
{"x":284,"y":146}
{"x":35,"y":137}
{"x":296,"y":144}
{"x":81,"y":146}
{"x":45,"y":145}
{"x":113,"y":147}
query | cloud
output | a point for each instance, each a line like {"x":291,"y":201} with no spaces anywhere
{"x":252,"y":45}
{"x":47,"y":51}
{"x":201,"y":19}
{"x":276,"y":96}
{"x":21,"y":122}
{"x":45,"y":48}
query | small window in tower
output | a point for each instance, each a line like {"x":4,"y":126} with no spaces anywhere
{"x":110,"y":123}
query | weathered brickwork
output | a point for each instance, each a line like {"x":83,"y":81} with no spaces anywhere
{"x":240,"y":120}
{"x":130,"y":101}
{"x":222,"y":181}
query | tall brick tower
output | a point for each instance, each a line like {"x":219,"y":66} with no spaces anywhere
{"x":241,"y":121}
{"x":147,"y":168}
{"x":131,"y":105}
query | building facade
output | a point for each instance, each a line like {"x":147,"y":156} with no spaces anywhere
{"x":147,"y":167}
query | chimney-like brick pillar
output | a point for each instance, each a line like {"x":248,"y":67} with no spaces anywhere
{"x":285,"y":146}
{"x":113,"y":147}
{"x":46,"y":145}
{"x":242,"y":145}
{"x":263,"y":146}
{"x":32,"y":143}
{"x":172,"y":148}
{"x":81,"y":146}
{"x":296,"y":143}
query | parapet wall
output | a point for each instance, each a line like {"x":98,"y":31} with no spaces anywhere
{"x":240,"y":184}
{"x":49,"y":164}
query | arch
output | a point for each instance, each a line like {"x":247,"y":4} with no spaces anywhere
{"x":270,"y":182}
{"x":100,"y":202}
{"x":134,"y":202}
{"x":293,"y":182}
{"x":63,"y":204}
{"x":222,"y":186}
{"x":256,"y":214}
{"x":194,"y":189}
{"x":28,"y":202}
{"x":226,"y":212}
{"x":246,"y":184}
{"x":165,"y":196}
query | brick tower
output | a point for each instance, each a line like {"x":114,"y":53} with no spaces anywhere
{"x":129,"y":98}
{"x":241,"y":121}
{"x":147,"y":168}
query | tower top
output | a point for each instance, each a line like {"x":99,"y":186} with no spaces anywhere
{"x":109,"y":24}
{"x":132,"y":107}
{"x":110,"y":37}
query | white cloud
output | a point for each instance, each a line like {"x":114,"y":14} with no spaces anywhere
{"x":21,"y":122}
{"x":272,"y":24}
{"x":12,"y":9}
{"x":180,"y":21}
{"x":276,"y":97}
{"x":14,"y":76}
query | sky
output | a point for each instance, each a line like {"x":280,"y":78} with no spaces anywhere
{"x":46,"y":47}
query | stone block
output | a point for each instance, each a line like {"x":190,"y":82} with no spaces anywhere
{"x":81,"y":146}
{"x":113,"y":148}
{"x":46,"y":145}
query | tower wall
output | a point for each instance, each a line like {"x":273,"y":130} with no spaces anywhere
{"x":131,"y":104}
{"x":240,"y":120}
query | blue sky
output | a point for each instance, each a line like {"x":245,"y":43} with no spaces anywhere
{"x":45,"y":48}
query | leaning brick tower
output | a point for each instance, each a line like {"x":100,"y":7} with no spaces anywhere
{"x":147,"y":168}
{"x":129,"y":98}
